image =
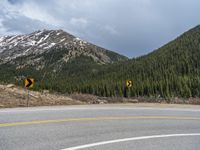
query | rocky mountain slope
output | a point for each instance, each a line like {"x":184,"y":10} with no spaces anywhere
{"x":26,"y":50}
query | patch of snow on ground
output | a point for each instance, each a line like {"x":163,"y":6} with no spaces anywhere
{"x":38,"y":33}
{"x":10,"y":46}
{"x":49,"y":46}
{"x":41,"y":45}
{"x":40,"y":41}
{"x":1,"y":39}
{"x":11,"y":38}
{"x":15,"y":44}
{"x":17,"y":55}
{"x":62,"y":40}
{"x":78,"y":39}
{"x":26,"y":51}
{"x":46,"y":37}
{"x":31,"y":43}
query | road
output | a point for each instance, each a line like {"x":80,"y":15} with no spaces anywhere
{"x":100,"y":127}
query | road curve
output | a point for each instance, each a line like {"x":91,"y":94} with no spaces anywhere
{"x":100,"y":127}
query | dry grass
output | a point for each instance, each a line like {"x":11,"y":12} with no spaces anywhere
{"x":17,"y":97}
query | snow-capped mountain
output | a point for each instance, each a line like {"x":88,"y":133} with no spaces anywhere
{"x":29,"y":49}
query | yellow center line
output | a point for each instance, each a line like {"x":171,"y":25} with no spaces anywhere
{"x":97,"y":119}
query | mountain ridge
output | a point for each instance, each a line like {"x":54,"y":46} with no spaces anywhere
{"x":39,"y":42}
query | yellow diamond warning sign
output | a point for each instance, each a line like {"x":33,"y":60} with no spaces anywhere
{"x":29,"y":82}
{"x":129,"y":83}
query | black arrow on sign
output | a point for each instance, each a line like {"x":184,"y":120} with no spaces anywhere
{"x":29,"y":83}
{"x":129,"y":83}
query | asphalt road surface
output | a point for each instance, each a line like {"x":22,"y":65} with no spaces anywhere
{"x":100,"y":127}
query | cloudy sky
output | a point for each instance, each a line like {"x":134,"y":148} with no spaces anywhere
{"x":129,"y":27}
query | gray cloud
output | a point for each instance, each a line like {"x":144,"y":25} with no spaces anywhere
{"x":130,"y":27}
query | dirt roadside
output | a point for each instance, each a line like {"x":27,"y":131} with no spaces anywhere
{"x":13,"y":96}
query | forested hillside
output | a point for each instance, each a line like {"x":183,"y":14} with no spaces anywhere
{"x":173,"y":70}
{"x":170,"y":71}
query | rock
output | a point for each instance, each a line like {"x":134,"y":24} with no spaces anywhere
{"x":2,"y":87}
{"x":10,"y":86}
{"x":102,"y":102}
{"x":45,"y":92}
{"x":34,"y":95}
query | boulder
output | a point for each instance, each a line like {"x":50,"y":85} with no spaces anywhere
{"x":10,"y":86}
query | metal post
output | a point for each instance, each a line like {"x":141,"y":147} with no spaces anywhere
{"x":125,"y":91}
{"x":28,"y":98}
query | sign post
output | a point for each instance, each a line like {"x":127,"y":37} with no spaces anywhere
{"x":27,"y":103}
{"x":29,"y":82}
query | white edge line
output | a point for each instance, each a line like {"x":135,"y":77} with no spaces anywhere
{"x":130,"y":139}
